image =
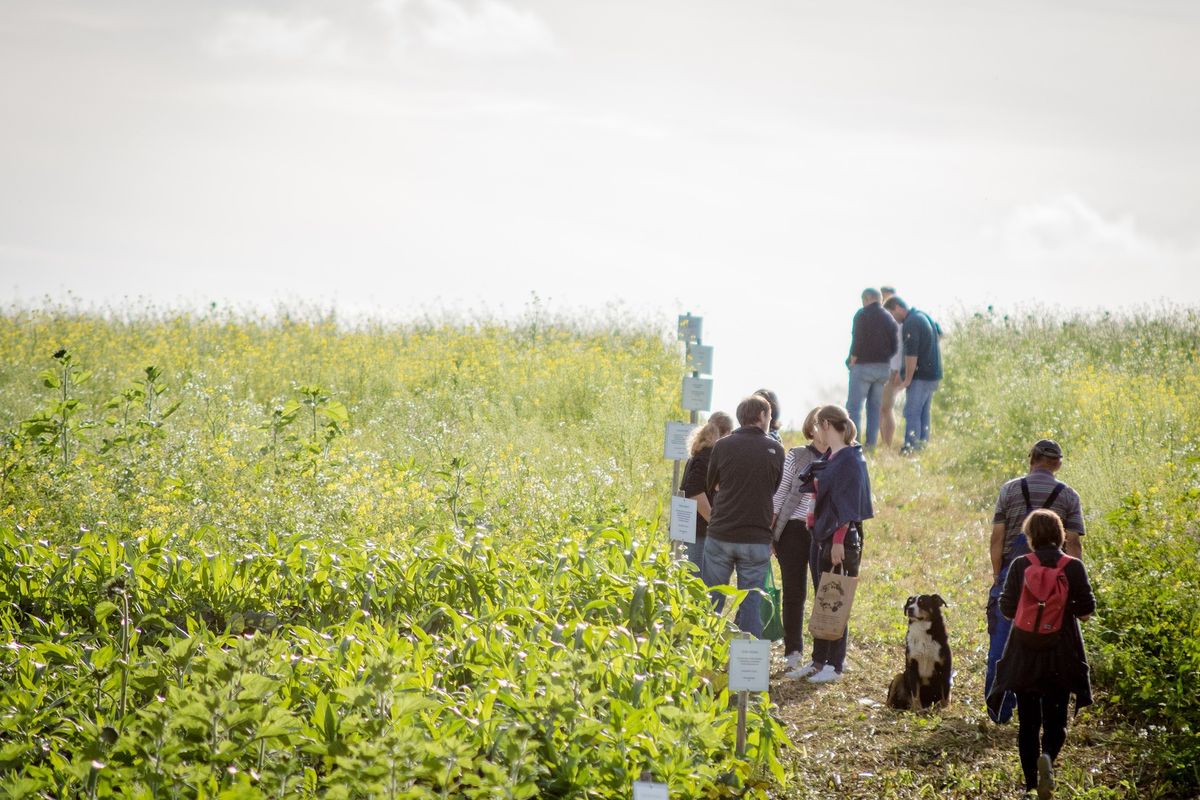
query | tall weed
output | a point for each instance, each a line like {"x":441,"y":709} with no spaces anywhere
{"x":1121,"y":395}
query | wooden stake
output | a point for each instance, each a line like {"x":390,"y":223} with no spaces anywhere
{"x":743,"y":707}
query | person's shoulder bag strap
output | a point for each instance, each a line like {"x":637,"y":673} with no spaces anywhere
{"x":1058,"y":487}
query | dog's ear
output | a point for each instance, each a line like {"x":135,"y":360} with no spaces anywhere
{"x":937,"y":598}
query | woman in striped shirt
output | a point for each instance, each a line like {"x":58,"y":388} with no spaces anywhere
{"x":792,"y":544}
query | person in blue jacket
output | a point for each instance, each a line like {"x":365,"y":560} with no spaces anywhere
{"x":921,"y":371}
{"x":843,"y":500}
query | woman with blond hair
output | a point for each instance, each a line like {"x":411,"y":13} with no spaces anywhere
{"x":793,"y":541}
{"x":842,"y":491}
{"x":695,"y":474}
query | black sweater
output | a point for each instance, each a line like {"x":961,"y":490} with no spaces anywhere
{"x":874,"y":335}
{"x":748,"y":466}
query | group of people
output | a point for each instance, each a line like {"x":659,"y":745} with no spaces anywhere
{"x":893,"y":348}
{"x":807,"y":505}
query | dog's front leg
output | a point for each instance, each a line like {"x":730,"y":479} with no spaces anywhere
{"x":913,"y":679}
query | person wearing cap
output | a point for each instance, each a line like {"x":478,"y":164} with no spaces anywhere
{"x":1018,"y":498}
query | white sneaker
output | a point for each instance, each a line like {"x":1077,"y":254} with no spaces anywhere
{"x":827,"y":674}
{"x":792,"y":660}
{"x":801,"y":672}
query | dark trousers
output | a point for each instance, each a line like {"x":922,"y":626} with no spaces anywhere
{"x":821,"y":555}
{"x":792,"y":553}
{"x":1042,"y":728}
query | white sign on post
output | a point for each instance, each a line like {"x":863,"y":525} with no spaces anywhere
{"x":675,"y":447}
{"x":700,"y":358}
{"x":697,"y":394}
{"x":683,"y":519}
{"x":645,"y":790}
{"x":689,"y":328}
{"x":749,"y":665}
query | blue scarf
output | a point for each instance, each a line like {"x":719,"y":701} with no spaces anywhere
{"x":843,"y":493}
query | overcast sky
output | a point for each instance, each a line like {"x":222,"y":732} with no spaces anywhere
{"x":755,"y":162}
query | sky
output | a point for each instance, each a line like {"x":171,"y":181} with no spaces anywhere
{"x":757,"y":163}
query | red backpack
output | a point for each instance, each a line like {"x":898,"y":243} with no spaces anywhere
{"x":1043,"y":602}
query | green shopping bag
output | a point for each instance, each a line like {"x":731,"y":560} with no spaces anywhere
{"x":770,"y":610}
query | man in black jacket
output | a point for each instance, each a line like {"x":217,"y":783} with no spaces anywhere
{"x":746,"y":466}
{"x":873,"y":341}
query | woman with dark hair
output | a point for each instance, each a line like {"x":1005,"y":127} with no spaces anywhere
{"x":843,"y":501}
{"x":695,"y":474}
{"x":1044,"y":674}
{"x":776,"y":420}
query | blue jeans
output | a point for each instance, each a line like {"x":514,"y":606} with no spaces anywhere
{"x":752,"y":562}
{"x":695,"y":552}
{"x":825,"y":651}
{"x":998,"y":628}
{"x":918,"y":400}
{"x":866,"y":383}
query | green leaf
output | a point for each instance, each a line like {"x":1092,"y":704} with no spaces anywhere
{"x":171,"y":409}
{"x":256,"y":687}
{"x":336,"y":412}
{"x":103,"y":609}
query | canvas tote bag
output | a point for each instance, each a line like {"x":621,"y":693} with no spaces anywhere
{"x":831,"y":607}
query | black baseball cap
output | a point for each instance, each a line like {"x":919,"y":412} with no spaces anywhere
{"x":1047,"y":448}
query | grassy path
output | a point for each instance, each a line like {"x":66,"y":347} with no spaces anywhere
{"x":925,"y":539}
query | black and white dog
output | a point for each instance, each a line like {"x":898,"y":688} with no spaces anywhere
{"x":927,"y":668}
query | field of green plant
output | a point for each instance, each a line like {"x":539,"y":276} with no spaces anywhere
{"x":290,"y":558}
{"x":282,"y":558}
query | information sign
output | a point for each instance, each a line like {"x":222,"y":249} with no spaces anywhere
{"x":683,"y":519}
{"x":697,"y":394}
{"x":749,"y":665}
{"x":645,"y":790}
{"x":700,"y":358}
{"x":689,"y":328}
{"x":675,"y":447}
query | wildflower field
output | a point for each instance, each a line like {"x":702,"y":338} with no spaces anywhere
{"x":286,"y":557}
{"x":1123,"y":395}
{"x":276,"y":558}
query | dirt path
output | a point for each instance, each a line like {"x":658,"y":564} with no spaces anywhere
{"x":850,"y":745}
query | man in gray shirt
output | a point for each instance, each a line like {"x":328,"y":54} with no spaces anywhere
{"x":1018,"y":498}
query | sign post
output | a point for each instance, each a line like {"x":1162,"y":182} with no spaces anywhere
{"x":683,"y":519}
{"x":646,"y":789}
{"x":697,"y":397}
{"x":749,"y":671}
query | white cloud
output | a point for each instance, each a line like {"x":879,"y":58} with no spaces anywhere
{"x":262,"y":35}
{"x":1063,"y":251}
{"x":338,"y":35}
{"x":1067,"y":230}
{"x":1067,"y":224}
{"x":483,"y":28}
